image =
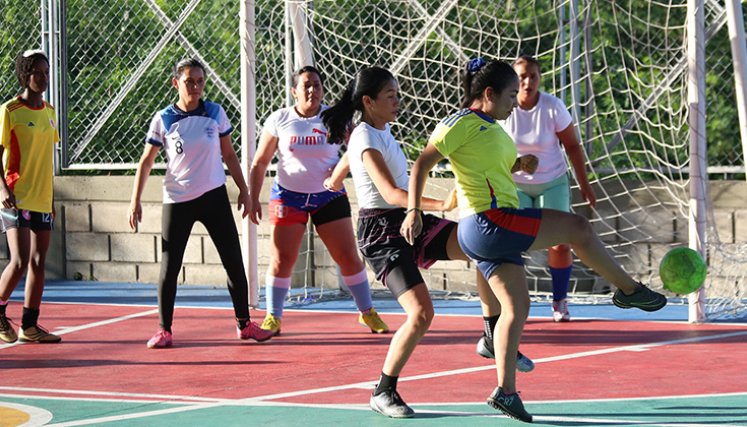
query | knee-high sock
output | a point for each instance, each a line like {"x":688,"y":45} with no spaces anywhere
{"x":359,"y":287}
{"x":561,"y":277}
{"x":276,"y":289}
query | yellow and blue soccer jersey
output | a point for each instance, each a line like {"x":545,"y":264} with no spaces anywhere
{"x":191,"y":140}
{"x":28,"y":136}
{"x":481,"y":155}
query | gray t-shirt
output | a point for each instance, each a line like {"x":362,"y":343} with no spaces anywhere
{"x":366,"y":137}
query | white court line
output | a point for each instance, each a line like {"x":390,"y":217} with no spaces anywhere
{"x":541,"y":418}
{"x":263,"y":400}
{"x":68,"y":330}
{"x":144,"y":397}
{"x":637,"y":347}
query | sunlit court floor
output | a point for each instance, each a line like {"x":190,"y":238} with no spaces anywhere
{"x":606,"y":367}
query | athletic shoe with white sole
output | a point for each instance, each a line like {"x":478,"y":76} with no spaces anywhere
{"x":485,"y":349}
{"x":560,"y":311}
{"x":161,"y":339}
{"x":390,"y":403}
{"x":509,"y":404}
{"x":37,"y":334}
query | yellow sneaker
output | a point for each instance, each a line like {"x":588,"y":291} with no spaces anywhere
{"x":373,"y":321}
{"x":37,"y":334}
{"x":7,"y":333}
{"x":272,"y":323}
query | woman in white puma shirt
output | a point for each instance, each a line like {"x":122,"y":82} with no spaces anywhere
{"x":305,"y":158}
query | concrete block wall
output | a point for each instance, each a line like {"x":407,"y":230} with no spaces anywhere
{"x":93,"y":240}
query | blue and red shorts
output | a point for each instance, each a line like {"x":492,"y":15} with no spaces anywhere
{"x":497,"y":236}
{"x":289,"y":207}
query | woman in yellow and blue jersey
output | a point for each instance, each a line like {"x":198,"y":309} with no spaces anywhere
{"x":28,"y":132}
{"x":492,"y":229}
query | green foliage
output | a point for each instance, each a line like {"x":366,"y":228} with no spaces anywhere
{"x":635,"y":47}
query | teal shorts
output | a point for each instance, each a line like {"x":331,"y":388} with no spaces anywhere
{"x":555,"y":194}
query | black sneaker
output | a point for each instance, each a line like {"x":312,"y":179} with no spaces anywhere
{"x":509,"y":404}
{"x":389,"y":403}
{"x":485,"y":349}
{"x":643,"y":298}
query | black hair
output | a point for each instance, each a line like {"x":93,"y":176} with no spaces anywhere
{"x":306,"y":69}
{"x":528,"y":59}
{"x":476,"y":78}
{"x":25,"y":64}
{"x":368,"y":82}
{"x":187,"y":63}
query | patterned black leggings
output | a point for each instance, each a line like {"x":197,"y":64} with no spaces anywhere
{"x":213,"y":210}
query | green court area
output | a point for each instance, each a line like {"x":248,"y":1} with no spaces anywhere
{"x":707,"y":410}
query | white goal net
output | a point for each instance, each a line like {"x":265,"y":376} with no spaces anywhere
{"x":621,"y":68}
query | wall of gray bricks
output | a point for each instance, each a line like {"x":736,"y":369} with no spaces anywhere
{"x":93,"y":241}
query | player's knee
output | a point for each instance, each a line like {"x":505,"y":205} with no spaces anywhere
{"x":581,"y":229}
{"x":422,"y":319}
{"x":282,"y":261}
{"x":561,"y":249}
{"x":18,"y":264}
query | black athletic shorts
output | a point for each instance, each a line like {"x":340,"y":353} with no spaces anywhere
{"x":395,"y":262}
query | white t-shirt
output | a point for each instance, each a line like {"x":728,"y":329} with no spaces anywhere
{"x":304,"y":156}
{"x":365,"y":137}
{"x":535,"y":132}
{"x":191,"y":140}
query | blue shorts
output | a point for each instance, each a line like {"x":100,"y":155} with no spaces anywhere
{"x":498,"y":235}
{"x":289,"y":207}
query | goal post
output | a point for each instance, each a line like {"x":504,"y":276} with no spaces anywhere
{"x":247,"y":31}
{"x":639,"y":99}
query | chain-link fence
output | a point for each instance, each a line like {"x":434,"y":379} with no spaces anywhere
{"x":120,"y":53}
{"x":20,"y":30}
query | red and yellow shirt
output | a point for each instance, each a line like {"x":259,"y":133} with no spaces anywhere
{"x":28,"y":136}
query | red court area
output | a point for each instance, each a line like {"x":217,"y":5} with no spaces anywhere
{"x":327,"y":358}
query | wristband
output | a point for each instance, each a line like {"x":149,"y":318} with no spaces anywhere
{"x":413,"y":209}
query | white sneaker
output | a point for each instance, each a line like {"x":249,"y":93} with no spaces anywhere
{"x":560,"y":311}
{"x":390,"y":403}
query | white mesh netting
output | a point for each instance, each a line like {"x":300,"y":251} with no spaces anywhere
{"x":621,"y":68}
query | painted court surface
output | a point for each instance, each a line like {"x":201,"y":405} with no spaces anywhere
{"x":606,"y":367}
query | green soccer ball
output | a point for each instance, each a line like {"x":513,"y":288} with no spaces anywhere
{"x":682,"y":270}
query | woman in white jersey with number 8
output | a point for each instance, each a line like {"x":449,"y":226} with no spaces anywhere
{"x":196,"y":138}
{"x":305,"y":159}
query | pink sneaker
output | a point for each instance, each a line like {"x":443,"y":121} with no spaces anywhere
{"x":253,"y":331}
{"x":161,"y":339}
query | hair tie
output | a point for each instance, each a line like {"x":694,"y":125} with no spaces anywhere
{"x":475,"y":64}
